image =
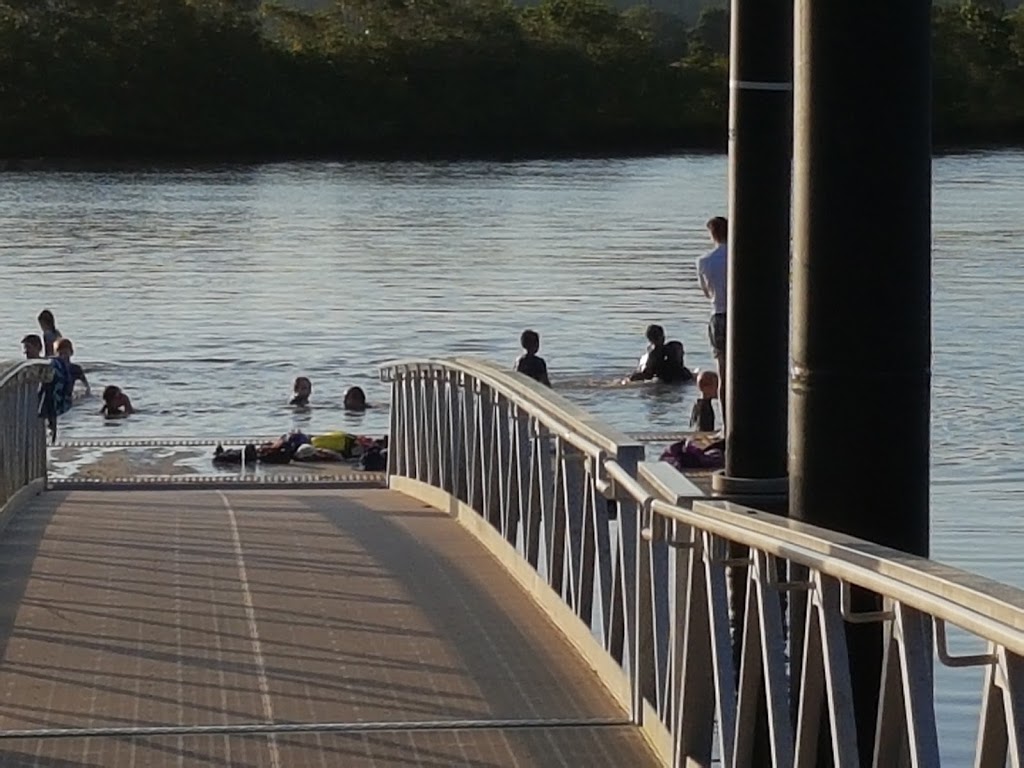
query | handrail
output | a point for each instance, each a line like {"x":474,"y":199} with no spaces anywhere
{"x":22,"y":432}
{"x":899,"y":575}
{"x":882,"y":569}
{"x":526,"y":393}
{"x":33,"y":371}
{"x":705,"y":606}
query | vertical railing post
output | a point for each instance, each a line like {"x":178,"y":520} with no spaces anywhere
{"x":394,"y":428}
{"x":636,"y":587}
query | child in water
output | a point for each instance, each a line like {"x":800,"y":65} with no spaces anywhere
{"x":65,"y":349}
{"x":302,"y":388}
{"x":531,"y":364}
{"x":355,"y":399}
{"x":115,"y":403}
{"x":702,"y":418}
{"x":51,"y":335}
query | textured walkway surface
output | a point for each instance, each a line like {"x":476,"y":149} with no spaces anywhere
{"x":280,"y":629}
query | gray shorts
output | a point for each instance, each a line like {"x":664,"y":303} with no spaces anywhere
{"x":716,"y":334}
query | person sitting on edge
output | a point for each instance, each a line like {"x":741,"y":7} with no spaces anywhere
{"x":50,"y":333}
{"x":66,"y":349}
{"x":355,"y":399}
{"x":702,"y":417}
{"x":115,"y":402}
{"x":663,"y":360}
{"x":302,"y":388}
{"x":529,"y":363}
{"x":33,"y":347}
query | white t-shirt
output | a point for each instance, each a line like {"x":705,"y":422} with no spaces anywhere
{"x":714,"y":269}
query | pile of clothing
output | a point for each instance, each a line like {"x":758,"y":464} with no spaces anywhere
{"x":688,"y":454}
{"x":372,"y":453}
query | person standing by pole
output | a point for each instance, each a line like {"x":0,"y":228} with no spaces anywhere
{"x":713,"y":276}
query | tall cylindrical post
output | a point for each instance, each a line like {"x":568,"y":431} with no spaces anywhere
{"x":760,"y":151}
{"x":860,"y":374}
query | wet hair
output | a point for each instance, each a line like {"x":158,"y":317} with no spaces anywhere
{"x":355,"y":398}
{"x":301,"y":380}
{"x":719,"y":228}
{"x":110,"y":392}
{"x":46,"y":320}
{"x":655,"y":333}
{"x":530,"y":341}
{"x":33,"y":340}
{"x":64,"y":343}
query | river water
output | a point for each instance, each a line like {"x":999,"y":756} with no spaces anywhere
{"x":204,"y":292}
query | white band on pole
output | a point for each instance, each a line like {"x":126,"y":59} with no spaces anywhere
{"x":756,"y":85}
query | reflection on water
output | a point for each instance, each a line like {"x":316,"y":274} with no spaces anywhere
{"x":205,"y":292}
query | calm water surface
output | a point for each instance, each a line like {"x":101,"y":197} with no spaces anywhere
{"x":205,"y":292}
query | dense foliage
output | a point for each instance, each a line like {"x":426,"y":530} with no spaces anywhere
{"x":241,"y":77}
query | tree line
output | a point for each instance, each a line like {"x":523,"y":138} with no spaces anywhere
{"x":244,"y":78}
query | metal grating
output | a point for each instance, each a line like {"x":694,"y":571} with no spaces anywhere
{"x":184,"y":442}
{"x":277,"y":480}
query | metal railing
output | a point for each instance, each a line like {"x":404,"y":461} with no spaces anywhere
{"x":650,"y":579}
{"x":22,"y":432}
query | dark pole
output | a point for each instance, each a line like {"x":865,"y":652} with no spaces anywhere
{"x":756,"y":393}
{"x":760,"y":148}
{"x":862,"y":287}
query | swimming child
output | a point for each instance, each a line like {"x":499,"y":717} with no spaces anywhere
{"x":355,"y":399}
{"x":702,"y":418}
{"x":530,"y":364}
{"x":115,"y":402}
{"x":302,"y":388}
{"x":50,"y":333}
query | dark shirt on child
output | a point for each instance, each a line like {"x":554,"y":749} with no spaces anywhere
{"x":534,"y":367}
{"x":702,"y":417}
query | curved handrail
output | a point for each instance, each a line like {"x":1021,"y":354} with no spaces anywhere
{"x":17,"y":371}
{"x":955,"y":595}
{"x":559,"y":413}
{"x":675,"y":588}
{"x":22,"y":433}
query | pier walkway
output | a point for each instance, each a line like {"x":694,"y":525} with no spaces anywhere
{"x":281,"y":628}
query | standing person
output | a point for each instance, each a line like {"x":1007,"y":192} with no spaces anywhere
{"x":530,"y":363}
{"x":33,"y":346}
{"x":50,"y":333}
{"x":702,"y":417}
{"x":66,"y":349}
{"x":55,"y":395}
{"x":713,"y":276}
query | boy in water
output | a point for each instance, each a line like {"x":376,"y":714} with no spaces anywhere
{"x":115,"y":402}
{"x":50,"y":333}
{"x":33,"y":347}
{"x":55,"y":396}
{"x":702,"y":418}
{"x":302,"y":388}
{"x":66,"y":349}
{"x":529,"y":363}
